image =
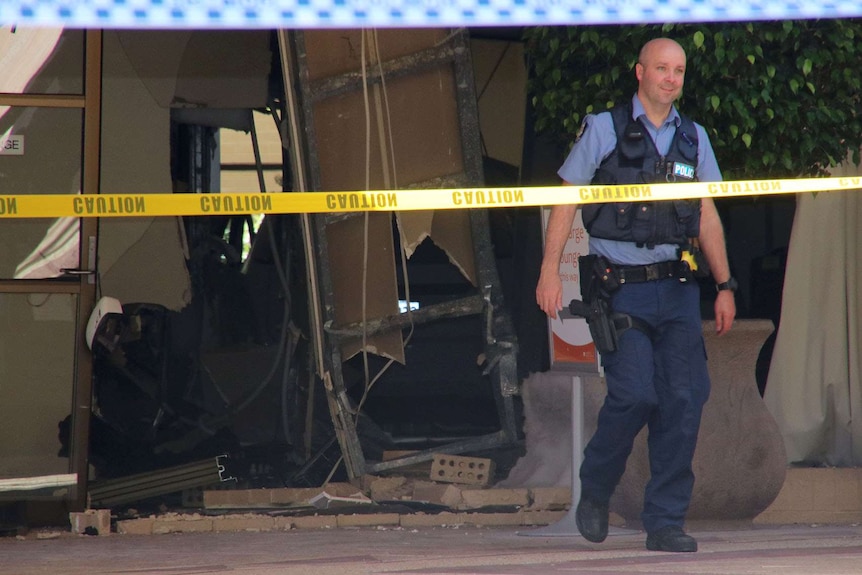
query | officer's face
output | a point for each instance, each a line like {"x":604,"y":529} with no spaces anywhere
{"x":661,"y":72}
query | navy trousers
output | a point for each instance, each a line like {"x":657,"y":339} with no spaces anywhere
{"x":658,"y":380}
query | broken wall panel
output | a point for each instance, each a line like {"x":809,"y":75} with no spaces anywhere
{"x":425,"y":138}
{"x":394,"y":123}
{"x":136,"y":159}
{"x":397,"y":109}
{"x":338,"y":52}
{"x":348,"y":256}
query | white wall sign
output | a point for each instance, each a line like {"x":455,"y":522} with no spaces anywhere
{"x":12,"y":145}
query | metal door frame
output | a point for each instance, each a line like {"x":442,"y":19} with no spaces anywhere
{"x":84,"y":286}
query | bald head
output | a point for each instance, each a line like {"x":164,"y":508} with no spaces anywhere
{"x":660,"y":72}
{"x":658,"y":47}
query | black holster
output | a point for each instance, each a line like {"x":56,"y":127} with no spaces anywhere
{"x":598,"y":281}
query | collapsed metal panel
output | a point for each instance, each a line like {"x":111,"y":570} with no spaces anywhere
{"x":368,"y":98}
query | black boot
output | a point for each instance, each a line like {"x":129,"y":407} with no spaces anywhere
{"x":671,"y":538}
{"x":591,"y":518}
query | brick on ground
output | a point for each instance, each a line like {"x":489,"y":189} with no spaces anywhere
{"x":461,"y":470}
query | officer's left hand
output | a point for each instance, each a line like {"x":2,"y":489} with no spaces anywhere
{"x":725,"y":311}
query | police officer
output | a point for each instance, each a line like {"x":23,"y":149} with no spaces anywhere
{"x":657,"y":376}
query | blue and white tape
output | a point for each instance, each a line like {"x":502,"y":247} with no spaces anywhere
{"x":232,"y":14}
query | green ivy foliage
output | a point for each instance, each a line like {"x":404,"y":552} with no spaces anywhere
{"x":778,"y":99}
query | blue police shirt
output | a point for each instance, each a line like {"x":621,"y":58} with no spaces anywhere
{"x":598,"y":140}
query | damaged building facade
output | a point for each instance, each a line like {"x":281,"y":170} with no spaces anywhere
{"x":274,"y":349}
{"x":144,"y":356}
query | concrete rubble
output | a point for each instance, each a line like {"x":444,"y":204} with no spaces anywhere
{"x":391,"y":501}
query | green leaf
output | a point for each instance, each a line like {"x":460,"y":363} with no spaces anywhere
{"x":739,"y":74}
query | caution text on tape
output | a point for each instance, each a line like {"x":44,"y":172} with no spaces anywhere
{"x":185,"y":204}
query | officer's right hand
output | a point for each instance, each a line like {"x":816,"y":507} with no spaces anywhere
{"x":549,"y":293}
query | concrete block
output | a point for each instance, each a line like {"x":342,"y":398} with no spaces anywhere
{"x":315,"y":522}
{"x":387,"y":488}
{"x":172,"y":523}
{"x":441,"y":494}
{"x":368,"y":519}
{"x":459,"y":469}
{"x":288,"y":495}
{"x":282,"y":523}
{"x":817,"y":495}
{"x":259,"y":497}
{"x":143,"y":526}
{"x":91,"y":522}
{"x":304,"y":494}
{"x":433,"y":520}
{"x":550,"y":498}
{"x":475,"y":498}
{"x":255,"y":523}
{"x":492,"y":519}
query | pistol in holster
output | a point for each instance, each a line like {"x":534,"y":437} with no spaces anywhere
{"x":598,"y":281}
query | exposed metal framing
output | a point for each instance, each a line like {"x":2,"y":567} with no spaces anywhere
{"x":79,"y":455}
{"x":85,"y":285}
{"x":498,"y":332}
{"x":204,"y":473}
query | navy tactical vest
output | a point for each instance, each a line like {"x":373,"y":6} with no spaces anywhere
{"x":637,"y":161}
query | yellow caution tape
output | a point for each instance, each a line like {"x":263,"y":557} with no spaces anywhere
{"x":148,"y":205}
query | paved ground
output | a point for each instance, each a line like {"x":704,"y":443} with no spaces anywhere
{"x":791,"y":550}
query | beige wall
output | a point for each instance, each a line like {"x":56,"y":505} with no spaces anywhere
{"x":236,"y":148}
{"x":501,"y":84}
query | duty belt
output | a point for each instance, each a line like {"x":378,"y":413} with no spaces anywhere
{"x":662,"y":270}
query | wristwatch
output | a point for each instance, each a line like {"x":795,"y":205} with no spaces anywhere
{"x":731,"y":284}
